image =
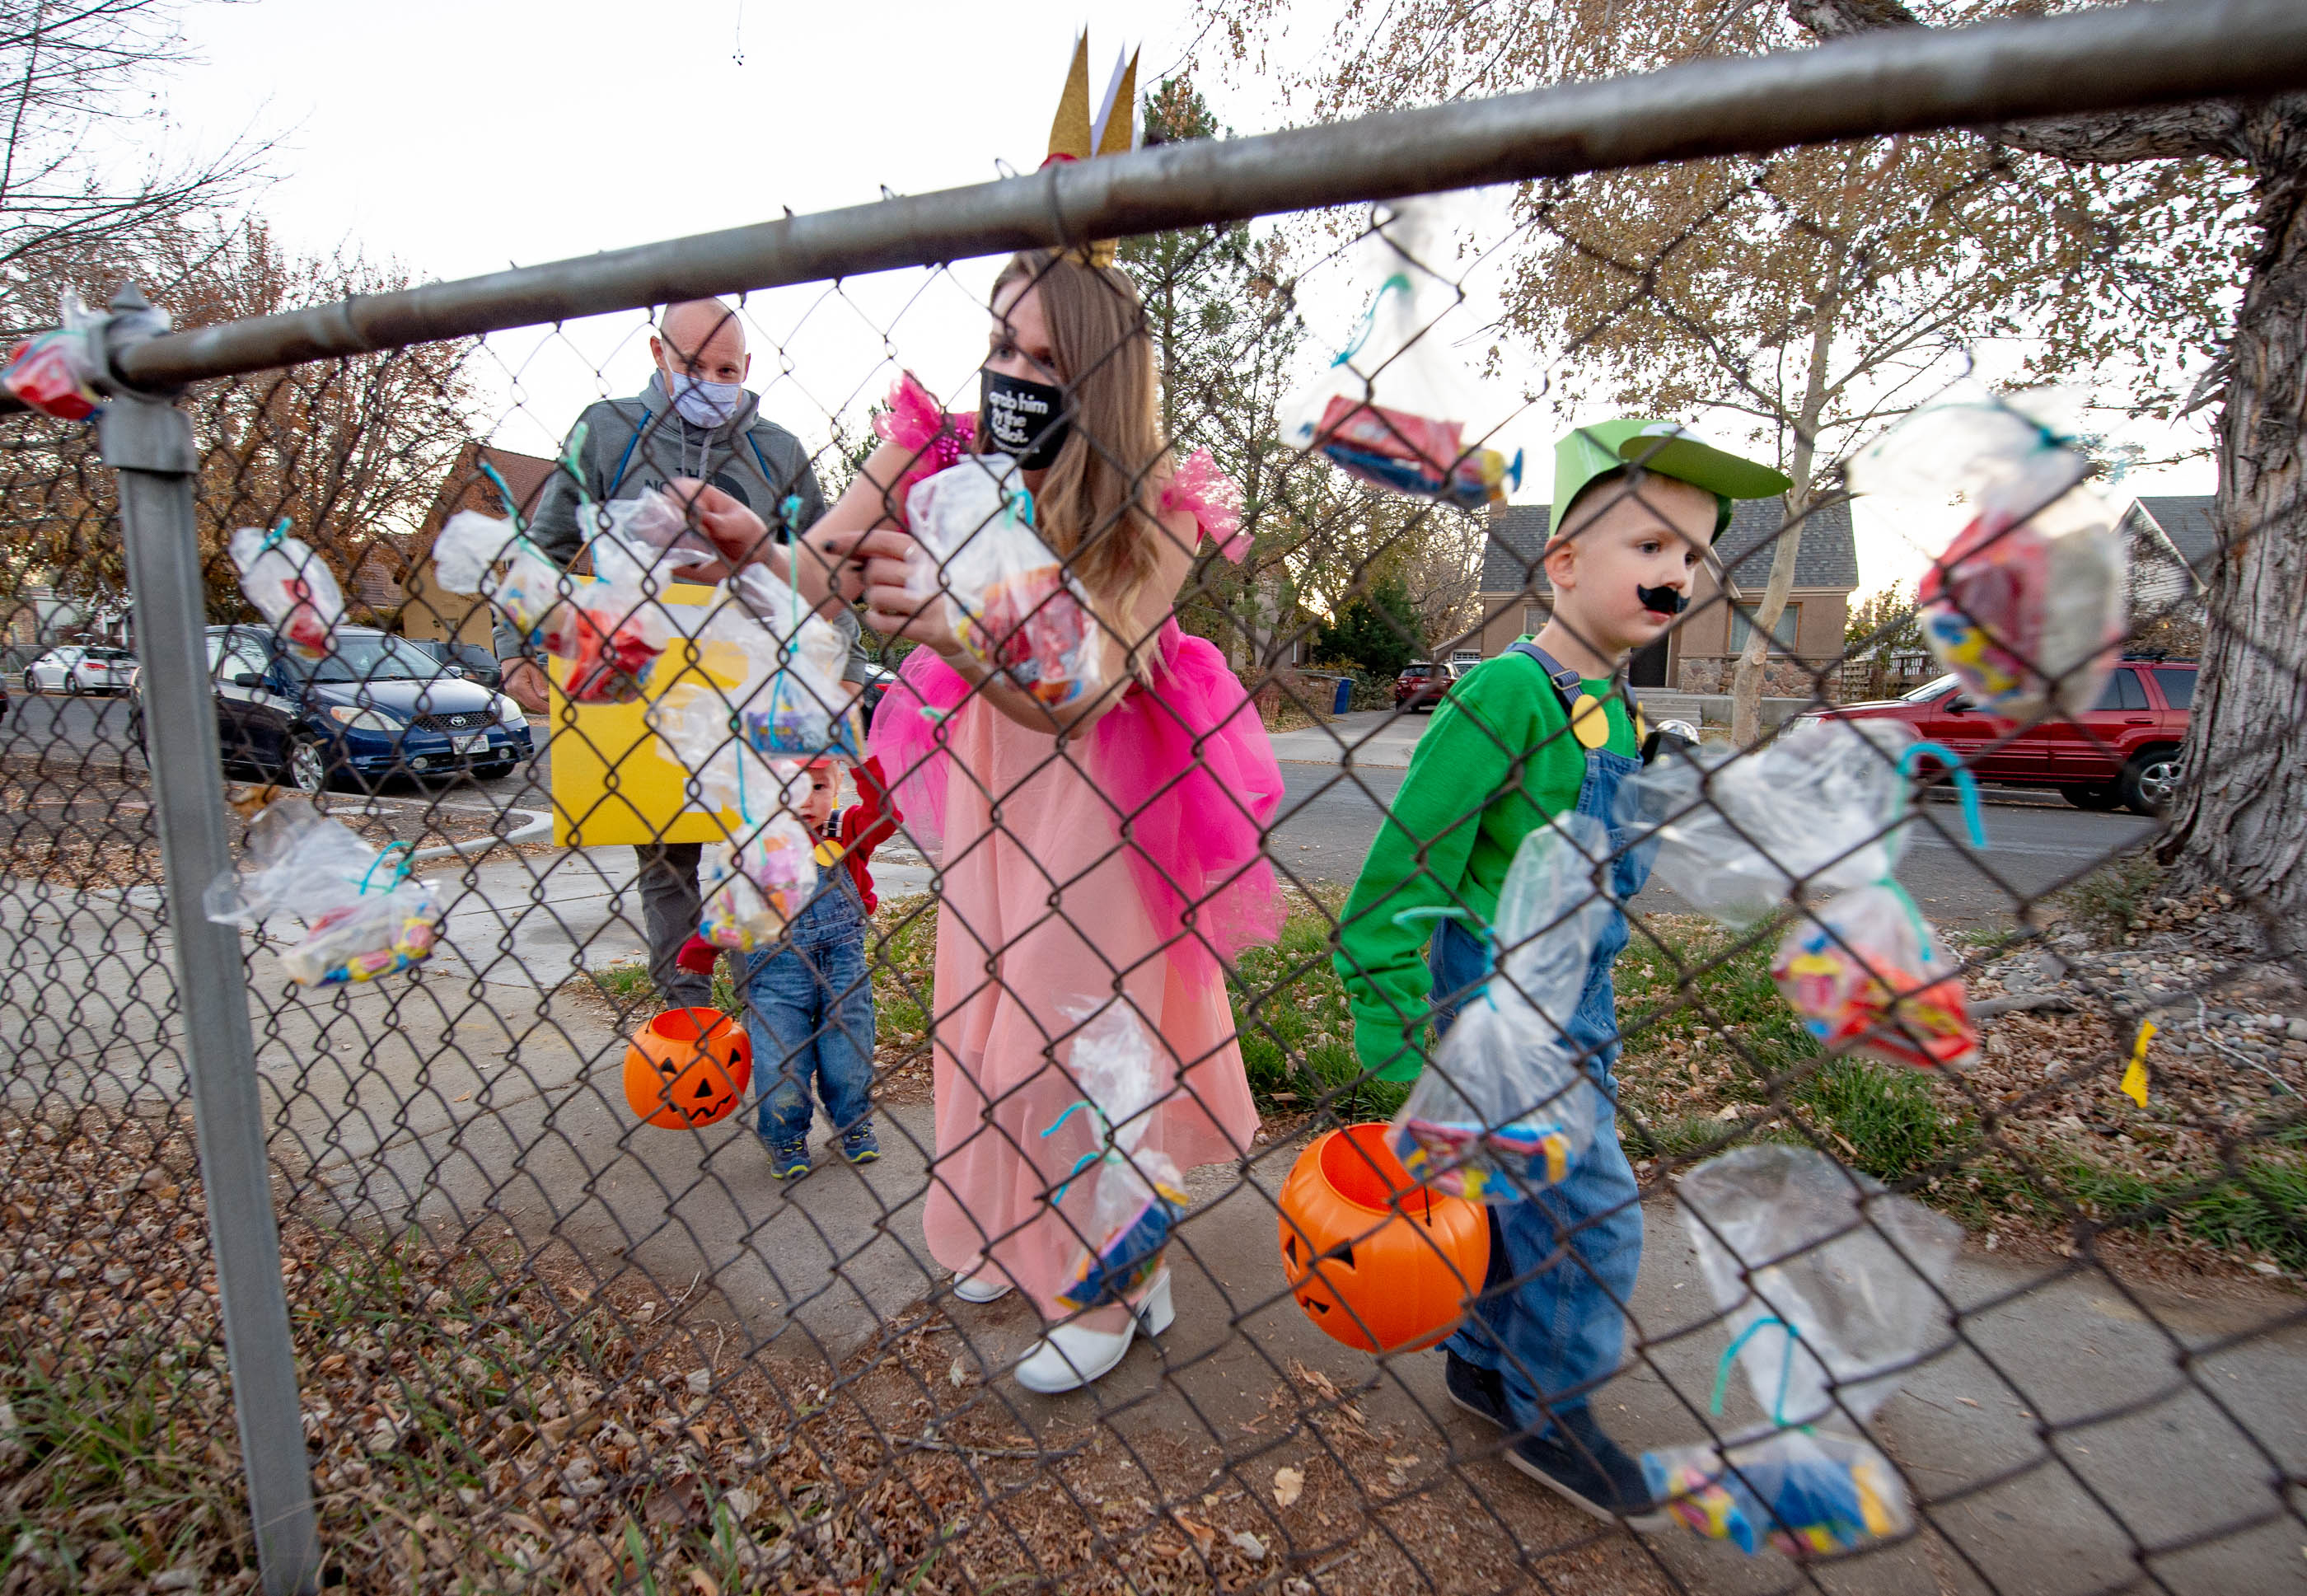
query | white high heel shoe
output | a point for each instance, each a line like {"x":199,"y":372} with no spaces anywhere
{"x":1071,"y":1356}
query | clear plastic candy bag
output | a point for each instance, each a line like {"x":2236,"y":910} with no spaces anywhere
{"x":1804,"y":1491}
{"x":1868,"y":977}
{"x":2027,"y":606}
{"x":1136,"y":1195}
{"x":1827,"y":1285}
{"x":753,"y":885}
{"x":361,"y":922}
{"x":793,"y":703}
{"x":1831,"y":1289}
{"x":1736,"y":833}
{"x":1011,"y":603}
{"x":1506,"y":1103}
{"x":291,"y":585}
{"x":597,"y":626}
{"x":1392,"y":409}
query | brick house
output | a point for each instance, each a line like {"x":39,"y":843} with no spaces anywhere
{"x":1696,"y":655}
{"x":427,"y":610}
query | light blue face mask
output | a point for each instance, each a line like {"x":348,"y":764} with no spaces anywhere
{"x":701,"y":403}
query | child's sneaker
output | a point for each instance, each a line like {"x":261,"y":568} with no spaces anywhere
{"x":1481,"y":1392}
{"x":857,"y":1144}
{"x":1580,"y":1462}
{"x":789,"y":1161}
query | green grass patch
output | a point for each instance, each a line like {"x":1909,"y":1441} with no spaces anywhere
{"x":2258,"y":1208}
{"x":1296,"y":1030}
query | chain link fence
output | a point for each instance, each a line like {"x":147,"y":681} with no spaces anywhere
{"x":663,"y":1203}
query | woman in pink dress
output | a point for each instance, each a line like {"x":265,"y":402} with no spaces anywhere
{"x":1108,"y":850}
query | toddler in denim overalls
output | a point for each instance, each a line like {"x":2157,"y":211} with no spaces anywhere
{"x":809,"y":996}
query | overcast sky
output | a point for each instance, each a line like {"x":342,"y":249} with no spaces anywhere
{"x":458,"y":139}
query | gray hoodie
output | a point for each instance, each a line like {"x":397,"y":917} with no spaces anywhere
{"x":635,"y":444}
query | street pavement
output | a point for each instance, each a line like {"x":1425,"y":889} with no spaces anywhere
{"x":1330,"y":815}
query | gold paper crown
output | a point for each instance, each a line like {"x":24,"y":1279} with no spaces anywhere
{"x":1077,"y":135}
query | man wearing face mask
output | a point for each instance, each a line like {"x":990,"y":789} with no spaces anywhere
{"x":694,"y":420}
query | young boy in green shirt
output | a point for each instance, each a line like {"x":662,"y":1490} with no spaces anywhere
{"x":1544,"y":730}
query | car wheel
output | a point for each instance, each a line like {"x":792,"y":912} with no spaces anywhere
{"x":2096,"y":797}
{"x":308,"y":766}
{"x":2151,"y":782}
{"x":491,"y":772}
{"x":71,"y":684}
{"x":32,"y":684}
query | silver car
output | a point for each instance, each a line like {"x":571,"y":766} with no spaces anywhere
{"x":77,"y":668}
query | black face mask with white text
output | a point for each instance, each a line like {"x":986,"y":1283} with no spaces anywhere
{"x":1024,"y":419}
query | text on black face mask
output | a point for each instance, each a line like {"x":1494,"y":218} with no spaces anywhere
{"x":1025,"y":419}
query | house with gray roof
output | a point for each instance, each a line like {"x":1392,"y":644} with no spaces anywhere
{"x":2174,"y":541}
{"x":1696,"y":654}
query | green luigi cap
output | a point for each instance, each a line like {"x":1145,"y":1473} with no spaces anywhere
{"x":1666,"y":447}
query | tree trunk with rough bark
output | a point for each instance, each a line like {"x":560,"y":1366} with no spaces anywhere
{"x":2241,"y":818}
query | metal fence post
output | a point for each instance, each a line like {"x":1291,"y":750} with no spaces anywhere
{"x":148,"y":445}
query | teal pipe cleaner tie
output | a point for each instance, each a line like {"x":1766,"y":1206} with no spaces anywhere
{"x":272,"y":539}
{"x":407,"y":852}
{"x":1966,"y":784}
{"x":1370,"y":317}
{"x":1731,"y":1353}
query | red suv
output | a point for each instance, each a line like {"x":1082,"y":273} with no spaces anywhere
{"x":2124,"y":751}
{"x":1422,"y":685}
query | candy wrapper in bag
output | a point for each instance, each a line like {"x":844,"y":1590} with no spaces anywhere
{"x":1011,"y":601}
{"x":1507,"y":1104}
{"x":56,"y":371}
{"x":1827,"y":1285}
{"x":596,"y":628}
{"x":2027,"y":606}
{"x":1136,"y":1195}
{"x":1804,"y":1491}
{"x":360,"y":923}
{"x":1392,"y":409}
{"x":291,"y":585}
{"x":382,"y":934}
{"x":1736,"y":833}
{"x":1867,"y":976}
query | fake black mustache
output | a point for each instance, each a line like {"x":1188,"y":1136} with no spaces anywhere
{"x":1666,"y":601}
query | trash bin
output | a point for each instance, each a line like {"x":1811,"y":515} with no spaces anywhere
{"x":1345,"y":699}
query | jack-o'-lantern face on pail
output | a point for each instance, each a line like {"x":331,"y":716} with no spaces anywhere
{"x":1379,"y":1262}
{"x":687,"y":1068}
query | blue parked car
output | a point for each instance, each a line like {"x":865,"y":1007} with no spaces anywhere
{"x":377,"y":707}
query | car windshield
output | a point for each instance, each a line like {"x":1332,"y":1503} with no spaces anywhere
{"x":1928,"y":690}
{"x":372,"y":658}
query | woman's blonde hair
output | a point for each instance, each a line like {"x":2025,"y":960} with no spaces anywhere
{"x":1095,"y":507}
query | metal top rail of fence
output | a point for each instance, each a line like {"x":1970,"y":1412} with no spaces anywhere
{"x":1223,"y":883}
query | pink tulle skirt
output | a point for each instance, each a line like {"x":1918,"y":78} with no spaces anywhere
{"x":1127,"y":862}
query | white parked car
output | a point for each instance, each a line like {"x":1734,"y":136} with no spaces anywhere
{"x":79,"y":667}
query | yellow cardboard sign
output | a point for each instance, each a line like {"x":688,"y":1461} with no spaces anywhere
{"x":611,"y":782}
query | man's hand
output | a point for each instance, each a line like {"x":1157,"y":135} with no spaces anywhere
{"x":524,"y":685}
{"x":821,"y":564}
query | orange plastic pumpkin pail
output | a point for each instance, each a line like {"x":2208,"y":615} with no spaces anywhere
{"x":687,"y":1069}
{"x":1379,"y":1262}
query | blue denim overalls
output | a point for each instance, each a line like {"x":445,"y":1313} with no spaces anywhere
{"x":1551,"y":1315}
{"x":809,"y":1010}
